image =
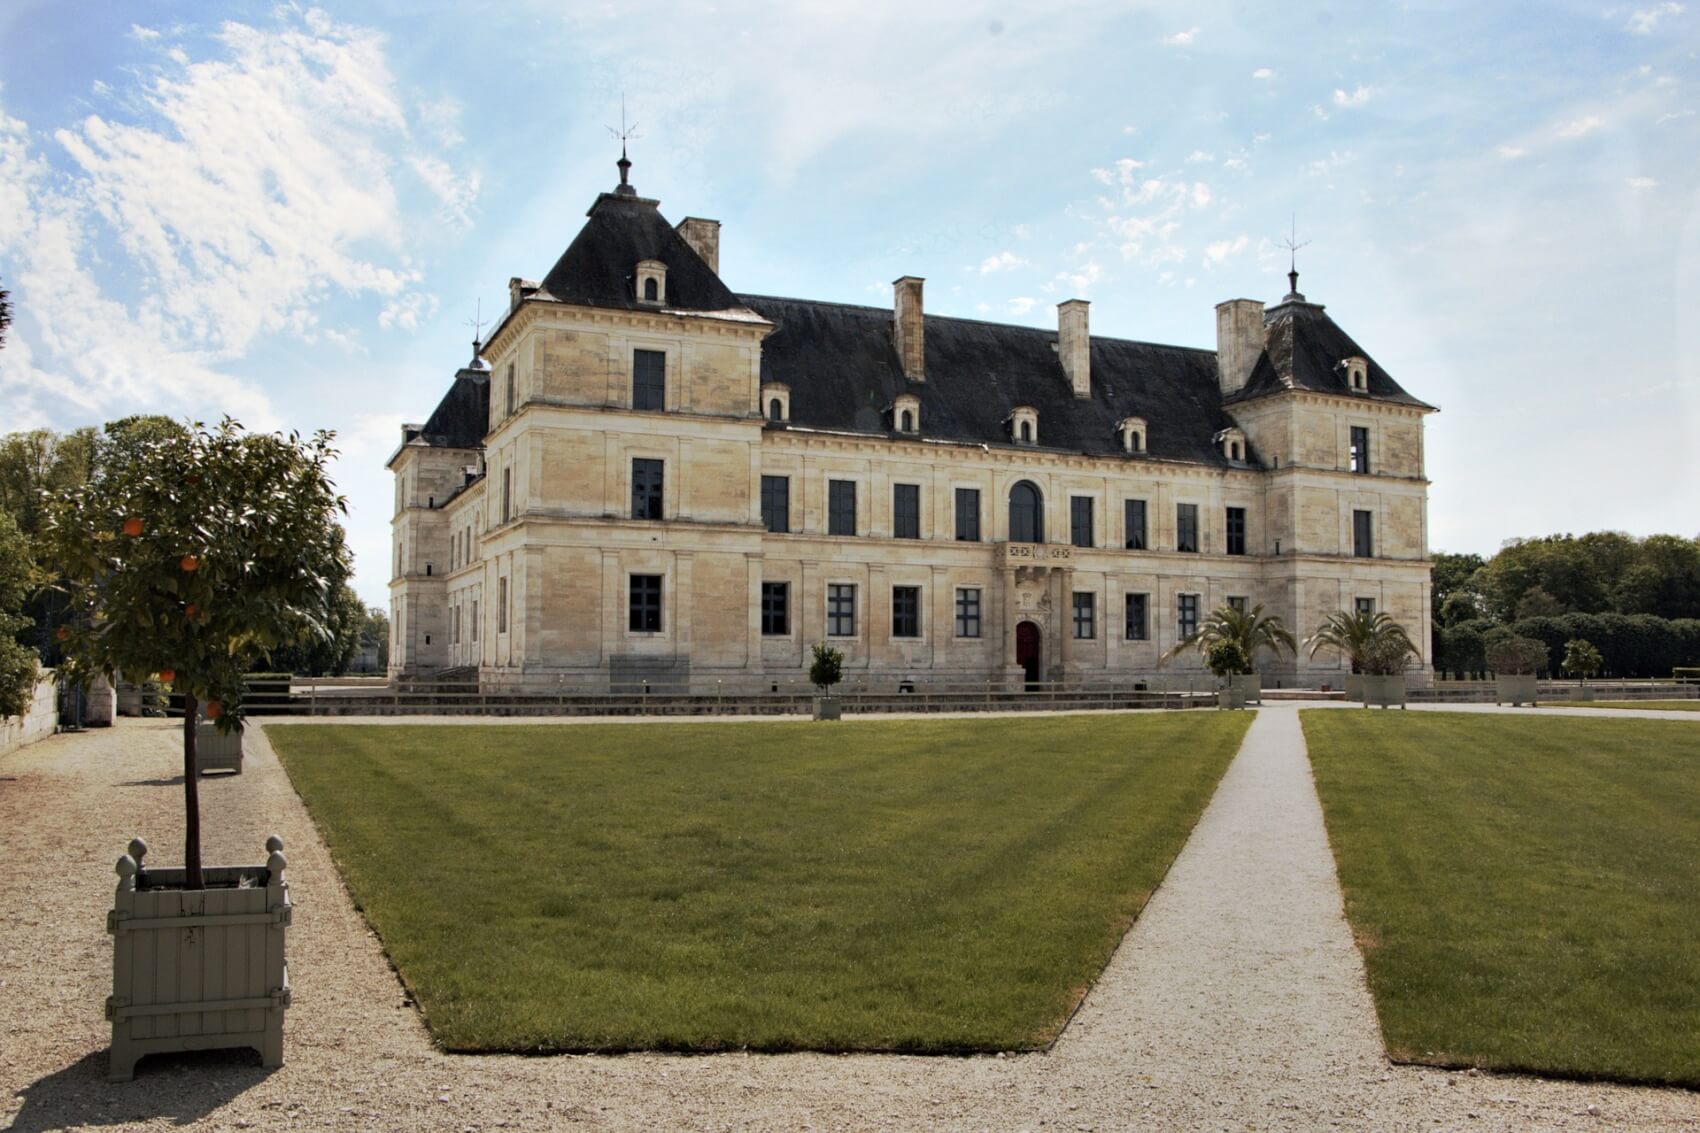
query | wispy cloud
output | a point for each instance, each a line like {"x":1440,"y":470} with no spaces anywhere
{"x":142,"y":34}
{"x":1642,"y":21}
{"x":1199,"y":157}
{"x":1218,"y":252}
{"x":1022,"y":304}
{"x":1356,"y":97}
{"x":1579,"y":127}
{"x":1642,"y":184}
{"x":1510,"y":152}
{"x":1003,"y":261}
{"x":1263,"y":74}
{"x":1182,"y":38}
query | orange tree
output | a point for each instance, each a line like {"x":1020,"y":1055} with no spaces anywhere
{"x":188,"y":554}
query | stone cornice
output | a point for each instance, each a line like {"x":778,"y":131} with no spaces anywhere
{"x":533,"y":311}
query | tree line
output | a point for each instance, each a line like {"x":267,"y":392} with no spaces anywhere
{"x":1635,"y":600}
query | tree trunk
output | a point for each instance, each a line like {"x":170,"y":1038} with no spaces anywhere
{"x":191,"y":797}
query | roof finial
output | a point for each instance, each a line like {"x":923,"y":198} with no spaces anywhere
{"x":625,"y":134}
{"x":476,"y":322}
{"x":1293,"y":245}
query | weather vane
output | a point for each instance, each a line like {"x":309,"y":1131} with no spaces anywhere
{"x":625,"y":134}
{"x":477,"y":323}
{"x":1293,"y":244}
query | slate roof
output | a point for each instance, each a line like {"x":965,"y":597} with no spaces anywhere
{"x":1303,"y":349}
{"x":460,"y":419}
{"x":597,"y":268}
{"x":842,"y":368}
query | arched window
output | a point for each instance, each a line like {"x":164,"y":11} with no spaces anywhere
{"x":1026,"y":433}
{"x":775,"y":411}
{"x":908,"y":425}
{"x":651,"y":289}
{"x":1236,"y":452}
{"x":1026,"y":513}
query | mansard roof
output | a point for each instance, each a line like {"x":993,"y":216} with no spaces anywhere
{"x":597,"y":269}
{"x":1304,"y":349}
{"x":460,"y":419}
{"x":843,"y":371}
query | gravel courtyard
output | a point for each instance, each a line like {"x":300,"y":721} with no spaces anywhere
{"x":1237,"y":1002}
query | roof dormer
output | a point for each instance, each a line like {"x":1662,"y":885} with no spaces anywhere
{"x":906,"y":413}
{"x":1356,"y":371}
{"x":651,"y":282}
{"x":776,"y":402}
{"x":1024,"y":425}
{"x":1230,"y":442}
{"x":1131,"y":432}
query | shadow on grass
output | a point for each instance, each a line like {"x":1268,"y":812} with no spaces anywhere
{"x":181,"y":1088}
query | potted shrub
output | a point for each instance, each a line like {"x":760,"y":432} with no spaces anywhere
{"x":1515,"y":661}
{"x":1378,"y":648}
{"x":826,"y":670}
{"x":188,"y":553}
{"x":1581,"y":660}
{"x":1227,"y":641}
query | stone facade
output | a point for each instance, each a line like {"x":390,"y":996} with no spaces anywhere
{"x":570,"y":539}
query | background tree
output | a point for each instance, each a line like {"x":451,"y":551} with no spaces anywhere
{"x":1247,"y":630}
{"x":1581,"y":659}
{"x":17,"y":661}
{"x":1374,"y":643}
{"x":1453,"y":577}
{"x":329,"y":655}
{"x":191,"y":552}
{"x":827,"y":668}
{"x":375,"y":635}
{"x":1517,"y":656}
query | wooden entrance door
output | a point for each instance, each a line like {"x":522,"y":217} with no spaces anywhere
{"x":1027,"y":652}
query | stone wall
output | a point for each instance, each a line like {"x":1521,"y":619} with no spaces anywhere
{"x":39,"y":720}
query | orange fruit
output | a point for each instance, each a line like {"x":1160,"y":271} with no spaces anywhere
{"x":190,"y":611}
{"x":133,"y":526}
{"x":168,"y":674}
{"x":215,"y":709}
{"x":190,"y":563}
{"x":62,"y":633}
{"x":192,"y":479}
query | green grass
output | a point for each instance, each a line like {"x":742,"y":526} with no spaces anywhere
{"x":1658,"y":705}
{"x":948,"y":885}
{"x":1524,"y":890}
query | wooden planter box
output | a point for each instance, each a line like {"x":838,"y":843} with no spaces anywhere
{"x":1518,"y":689}
{"x":215,"y":752}
{"x":827,"y":708}
{"x":197,"y":970}
{"x":1383,"y":692}
{"x":1249,"y":686}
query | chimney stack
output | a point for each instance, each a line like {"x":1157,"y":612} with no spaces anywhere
{"x":704,"y":238}
{"x":1239,"y":341}
{"x":1074,"y":345}
{"x":906,"y":327}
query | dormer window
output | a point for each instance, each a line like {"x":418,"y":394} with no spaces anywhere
{"x":776,"y":402}
{"x":1131,"y":430}
{"x":1231,"y":444}
{"x":652,"y":282}
{"x":1024,"y":425}
{"x":906,"y":414}
{"x":1357,"y":374}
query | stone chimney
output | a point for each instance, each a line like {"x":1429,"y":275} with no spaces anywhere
{"x":906,"y":327}
{"x":1074,"y":345}
{"x":704,"y":238}
{"x":1239,"y":340}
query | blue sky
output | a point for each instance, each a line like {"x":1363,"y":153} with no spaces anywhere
{"x":288,"y":213}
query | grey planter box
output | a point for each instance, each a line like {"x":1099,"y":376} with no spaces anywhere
{"x":197,"y":970}
{"x":1383,"y":692}
{"x":1518,"y":689}
{"x":1249,"y":686}
{"x":215,"y":752}
{"x":827,"y":708}
{"x":1580,"y":692}
{"x":1354,"y":686}
{"x":1229,"y":698}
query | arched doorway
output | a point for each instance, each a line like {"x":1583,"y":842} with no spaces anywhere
{"x":1027,"y":652}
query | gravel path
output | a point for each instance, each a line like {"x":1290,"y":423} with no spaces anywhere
{"x":1236,"y":1002}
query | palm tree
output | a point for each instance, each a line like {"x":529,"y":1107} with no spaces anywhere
{"x":1230,"y":638}
{"x":1374,"y":643}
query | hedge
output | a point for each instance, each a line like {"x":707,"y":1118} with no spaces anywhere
{"x":1630,"y":645}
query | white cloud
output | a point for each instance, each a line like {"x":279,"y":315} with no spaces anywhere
{"x":1643,"y":20}
{"x":1182,"y":38}
{"x":142,"y":34}
{"x":1199,"y":156}
{"x":1642,"y":184}
{"x":1082,"y":279}
{"x":407,"y":312}
{"x":1003,"y":261}
{"x":1218,"y":252}
{"x":1022,"y":304}
{"x":1511,"y":152}
{"x":1357,"y":97}
{"x":456,"y":193}
{"x":1263,"y":74}
{"x":1234,"y":163}
{"x":1149,"y":215}
{"x":1579,"y":127}
{"x":1122,"y":173}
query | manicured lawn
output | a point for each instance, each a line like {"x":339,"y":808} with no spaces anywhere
{"x":1524,"y":890}
{"x":1658,"y":705}
{"x":945,"y":885}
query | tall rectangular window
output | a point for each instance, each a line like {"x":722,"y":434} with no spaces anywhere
{"x":1366,"y":607}
{"x":1085,"y":614}
{"x":1360,"y":448}
{"x":967,"y":515}
{"x":649,"y":379}
{"x":1080,"y":521}
{"x":1186,"y":527}
{"x":1236,"y":531}
{"x":643,"y":605}
{"x":1133,"y":519}
{"x":906,"y":611}
{"x":840,"y":610}
{"x":906,"y":511}
{"x":510,"y":384}
{"x":501,"y":605}
{"x":775,"y":609}
{"x":1237,"y":603}
{"x":1186,"y":614}
{"x":646,"y":488}
{"x":1137,"y":623}
{"x":454,"y":625}
{"x":776,"y":504}
{"x":841,"y":507}
{"x":507,"y":494}
{"x":1363,"y":534}
{"x":475,"y":619}
{"x":968,"y":612}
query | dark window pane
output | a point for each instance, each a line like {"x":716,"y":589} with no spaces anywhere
{"x":775,"y":608}
{"x":1137,"y":613}
{"x":1080,"y":521}
{"x":1236,"y":531}
{"x":1366,"y":606}
{"x":1363,"y":535}
{"x":776,"y":503}
{"x":1360,"y":449}
{"x":840,"y":610}
{"x":644,"y":604}
{"x":1237,"y":602}
{"x":841,"y":507}
{"x":968,"y":515}
{"x":906,"y":511}
{"x":968,"y":613}
{"x":1085,"y":615}
{"x":906,"y":611}
{"x":1133,"y":517}
{"x":1186,"y":527}
{"x":646,"y":488}
{"x":649,"y":379}
{"x":775,"y":410}
{"x":1026,"y":514}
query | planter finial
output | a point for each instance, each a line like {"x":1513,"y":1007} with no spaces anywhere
{"x":126,"y":868}
{"x":274,"y":844}
{"x":138,"y":849}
